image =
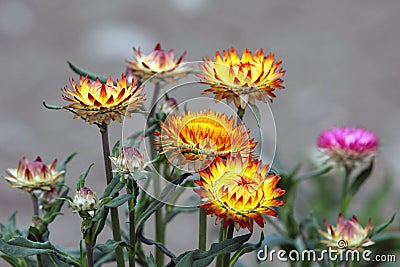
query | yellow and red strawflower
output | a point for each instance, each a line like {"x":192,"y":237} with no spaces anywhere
{"x":239,"y":190}
{"x":347,"y":235}
{"x":34,"y":175}
{"x":159,"y":61}
{"x":242,"y":80}
{"x":198,"y":137}
{"x":98,"y":102}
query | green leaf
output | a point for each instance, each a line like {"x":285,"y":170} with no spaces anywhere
{"x":17,"y":262}
{"x":115,"y":150}
{"x":199,"y":258}
{"x":160,"y":202}
{"x":118,"y":201}
{"x":151,"y":261}
{"x":360,"y":179}
{"x":113,"y":187}
{"x":82,"y":177}
{"x":159,"y":245}
{"x":9,"y":230}
{"x":52,"y":260}
{"x":385,"y":237}
{"x":314,"y":174}
{"x":61,"y":166}
{"x":246,"y":248}
{"x":51,"y":106}
{"x":55,"y":208}
{"x":21,"y":247}
{"x":92,"y":76}
{"x":382,"y":227}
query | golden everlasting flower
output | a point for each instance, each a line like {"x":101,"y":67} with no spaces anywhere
{"x":347,"y":235}
{"x":198,"y":137}
{"x":239,"y":191}
{"x":242,"y":80}
{"x":99,"y":102}
{"x":160,"y":62}
{"x":34,"y":175}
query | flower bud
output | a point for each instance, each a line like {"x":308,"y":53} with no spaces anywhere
{"x":84,"y":200}
{"x":48,"y":198}
{"x":170,"y":106}
{"x":130,"y":160}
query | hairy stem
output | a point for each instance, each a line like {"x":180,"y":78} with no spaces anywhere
{"x":89,"y":254}
{"x":132,"y":233}
{"x":202,"y":229}
{"x":229,"y":235}
{"x":114,"y":211}
{"x":35,"y":202}
{"x":222,"y":236}
{"x":345,"y":201}
{"x":160,"y":229}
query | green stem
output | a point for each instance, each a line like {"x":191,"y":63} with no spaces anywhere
{"x":89,"y":254}
{"x":132,"y":233}
{"x":345,"y":201}
{"x":160,"y":229}
{"x":229,"y":235}
{"x":202,"y":229}
{"x":114,"y":211}
{"x":35,"y":202}
{"x":222,"y":236}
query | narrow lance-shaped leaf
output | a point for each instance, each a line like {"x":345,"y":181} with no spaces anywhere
{"x":115,"y":150}
{"x":92,"y":76}
{"x":199,"y":258}
{"x":82,"y":177}
{"x":61,"y":166}
{"x":246,"y":248}
{"x":361,"y":178}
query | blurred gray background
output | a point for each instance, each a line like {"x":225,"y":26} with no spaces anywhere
{"x":342,"y":60}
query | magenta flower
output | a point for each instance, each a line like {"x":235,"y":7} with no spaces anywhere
{"x":348,"y":145}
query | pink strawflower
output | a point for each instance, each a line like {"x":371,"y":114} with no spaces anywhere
{"x":348,"y":145}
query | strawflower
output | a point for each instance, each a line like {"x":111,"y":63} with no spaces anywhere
{"x":198,"y":137}
{"x":97,"y":102}
{"x":347,"y":235}
{"x":34,"y":175}
{"x":348,"y":145}
{"x":239,"y":191}
{"x":159,"y":61}
{"x":253,"y":77}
